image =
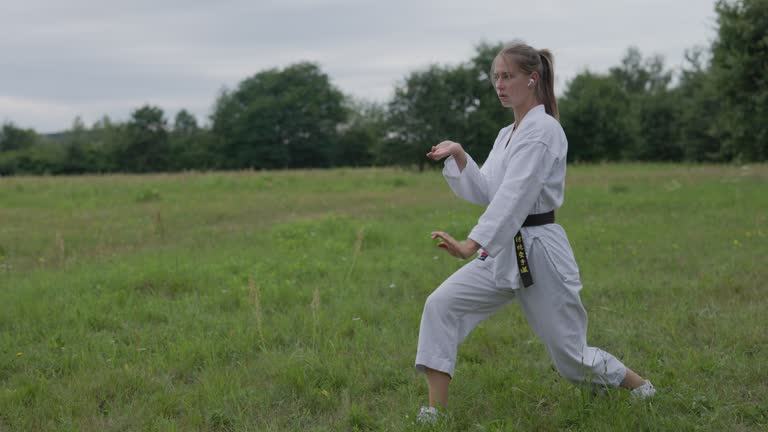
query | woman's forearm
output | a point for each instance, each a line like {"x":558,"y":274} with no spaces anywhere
{"x":460,"y":156}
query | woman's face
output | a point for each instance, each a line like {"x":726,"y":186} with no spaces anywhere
{"x":510,"y":82}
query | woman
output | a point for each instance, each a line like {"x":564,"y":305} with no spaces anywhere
{"x":524,"y":255}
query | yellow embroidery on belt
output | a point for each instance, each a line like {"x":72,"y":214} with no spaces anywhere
{"x":522,"y":261}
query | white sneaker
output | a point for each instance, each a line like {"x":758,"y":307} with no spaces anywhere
{"x":427,"y":415}
{"x":644,"y":391}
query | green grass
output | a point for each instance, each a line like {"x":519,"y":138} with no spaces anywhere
{"x":291,"y":301}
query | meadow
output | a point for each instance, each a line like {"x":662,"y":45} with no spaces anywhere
{"x":291,"y":301}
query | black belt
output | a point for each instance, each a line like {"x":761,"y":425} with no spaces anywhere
{"x":540,"y":219}
{"x":522,"y":260}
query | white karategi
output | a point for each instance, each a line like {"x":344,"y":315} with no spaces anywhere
{"x":527,"y":177}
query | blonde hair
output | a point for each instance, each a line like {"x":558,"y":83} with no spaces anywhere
{"x":530,"y":60}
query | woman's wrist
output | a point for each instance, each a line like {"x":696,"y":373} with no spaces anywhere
{"x":456,"y":150}
{"x":473,"y":246}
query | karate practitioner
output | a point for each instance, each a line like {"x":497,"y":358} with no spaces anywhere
{"x":521,"y":183}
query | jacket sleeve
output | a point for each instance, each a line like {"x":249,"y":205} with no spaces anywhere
{"x":470,"y":184}
{"x":526,"y":173}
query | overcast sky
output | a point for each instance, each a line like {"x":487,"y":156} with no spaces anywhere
{"x":61,"y":59}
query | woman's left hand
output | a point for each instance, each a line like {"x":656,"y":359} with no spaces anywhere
{"x":459,"y":249}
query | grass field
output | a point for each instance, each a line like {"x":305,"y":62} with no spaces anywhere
{"x":265,"y":301}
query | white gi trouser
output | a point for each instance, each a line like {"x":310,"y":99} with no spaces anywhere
{"x":551,"y":305}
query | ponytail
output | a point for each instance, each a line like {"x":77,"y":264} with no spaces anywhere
{"x":545,"y":90}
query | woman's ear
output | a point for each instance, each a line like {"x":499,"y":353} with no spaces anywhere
{"x":534,"y":79}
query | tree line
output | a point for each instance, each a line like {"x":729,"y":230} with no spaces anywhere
{"x":712,"y":110}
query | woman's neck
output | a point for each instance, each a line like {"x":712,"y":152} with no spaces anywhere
{"x":522,"y":109}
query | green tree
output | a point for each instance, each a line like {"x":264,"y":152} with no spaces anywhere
{"x":145,"y":144}
{"x":446,"y":103}
{"x":191,"y":147}
{"x":280,"y":119}
{"x":362,"y":136}
{"x":696,"y":98}
{"x":185,"y":123}
{"x":638,"y":75}
{"x":75,"y":149}
{"x":107,"y":138}
{"x":740,"y":74}
{"x":651,"y":117}
{"x":20,"y":152}
{"x":424,"y":111}
{"x":595,"y":113}
{"x":13,"y":137}
{"x":629,"y":113}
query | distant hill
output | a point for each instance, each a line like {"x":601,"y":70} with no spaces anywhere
{"x":62,"y":137}
{"x":59,"y":137}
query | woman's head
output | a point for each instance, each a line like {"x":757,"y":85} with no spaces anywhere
{"x":520,"y":71}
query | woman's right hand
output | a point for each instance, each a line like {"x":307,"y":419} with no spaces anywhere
{"x":444,"y":149}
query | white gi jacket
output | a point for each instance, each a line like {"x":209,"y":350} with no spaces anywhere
{"x":527,"y":177}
